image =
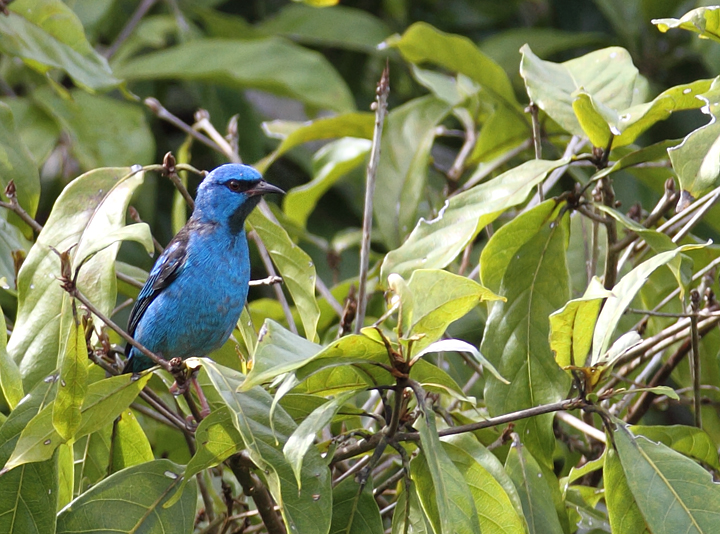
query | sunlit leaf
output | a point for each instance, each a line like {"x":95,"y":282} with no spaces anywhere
{"x":704,"y":21}
{"x":434,"y":244}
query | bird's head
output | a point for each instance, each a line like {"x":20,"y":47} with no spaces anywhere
{"x":229,"y":193}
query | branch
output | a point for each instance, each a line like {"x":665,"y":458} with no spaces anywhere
{"x":267,"y":261}
{"x":241,"y":466}
{"x":126,"y":32}
{"x":380,"y":106}
{"x":13,"y":205}
{"x":157,"y":108}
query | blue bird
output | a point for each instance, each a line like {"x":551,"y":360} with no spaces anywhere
{"x":196,"y":291}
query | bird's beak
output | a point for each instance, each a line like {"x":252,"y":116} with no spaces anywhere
{"x":263,"y":188}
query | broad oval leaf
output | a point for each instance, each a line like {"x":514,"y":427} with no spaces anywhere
{"x":66,"y":414}
{"x":89,"y":208}
{"x":355,"y":510}
{"x":421,"y":43}
{"x":106,"y":507}
{"x":535,"y":283}
{"x":47,"y":35}
{"x":688,"y":440}
{"x":674,"y":493}
{"x":608,"y":75}
{"x":534,"y":490}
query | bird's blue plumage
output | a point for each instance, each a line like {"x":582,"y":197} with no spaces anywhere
{"x":196,"y":291}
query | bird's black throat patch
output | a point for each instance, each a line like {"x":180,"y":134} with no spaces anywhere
{"x":236,"y":221}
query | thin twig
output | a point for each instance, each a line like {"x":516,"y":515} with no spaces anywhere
{"x":270,"y":268}
{"x":573,"y":147}
{"x":492,"y":166}
{"x":14,"y":206}
{"x":269,"y":281}
{"x":458,"y":166}
{"x":127,"y":30}
{"x":695,"y":356}
{"x":162,"y":113}
{"x":76,"y":293}
{"x":582,"y":426}
{"x":537,"y":141}
{"x":202,"y":123}
{"x":380,"y":105}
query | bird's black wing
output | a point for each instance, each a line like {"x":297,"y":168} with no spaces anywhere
{"x":165,"y":270}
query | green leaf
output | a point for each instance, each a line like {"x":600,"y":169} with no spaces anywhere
{"x":434,"y":244}
{"x":292,"y":134}
{"x":104,"y":401}
{"x":217,"y":439}
{"x":623,"y":511}
{"x":295,"y":267}
{"x":93,"y":462}
{"x":674,"y":493}
{"x":354,"y":509}
{"x":444,"y":493}
{"x":330,"y":163}
{"x":36,"y":128}
{"x":687,"y":440}
{"x":304,"y":435}
{"x":270,"y":64}
{"x":338,"y":26}
{"x":495,"y":511}
{"x":10,"y":380}
{"x":536,"y":283}
{"x":47,"y":35}
{"x":470,"y":444}
{"x":106,"y":507}
{"x":608,"y":75}
{"x":695,"y":160}
{"x":503,"y":131}
{"x":601,"y":122}
{"x":407,"y":139}
{"x":130,"y":444}
{"x":421,"y":43}
{"x":441,"y":298}
{"x":28,"y":493}
{"x":534,"y":491}
{"x":572,"y":326}
{"x":104,"y":131}
{"x":66,"y":414}
{"x":13,"y":244}
{"x":304,"y":510}
{"x":704,"y":21}
{"x":16,"y":162}
{"x":408,"y":515}
{"x":89,"y":208}
{"x":622,"y":295}
{"x":279,"y":351}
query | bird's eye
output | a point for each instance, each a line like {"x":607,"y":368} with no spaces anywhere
{"x":238,"y":186}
